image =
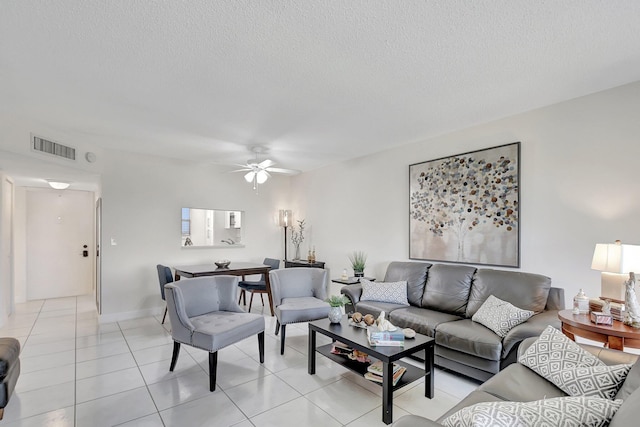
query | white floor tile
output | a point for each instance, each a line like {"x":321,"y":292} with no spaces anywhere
{"x":298,"y":412}
{"x":108,"y":384}
{"x":58,"y":418}
{"x":233,"y":373}
{"x":374,"y":418}
{"x":37,"y":363}
{"x":182,"y":389}
{"x":29,"y":403}
{"x":157,"y":354}
{"x":100,"y":339}
{"x":153,"y":420}
{"x":115,"y":409}
{"x":92,"y":368}
{"x":103,"y":350}
{"x":416,"y":403}
{"x":214,"y":410}
{"x":261,"y":395}
{"x":159,"y":371}
{"x":345,"y":400}
{"x":30,"y":349}
{"x":44,"y":378}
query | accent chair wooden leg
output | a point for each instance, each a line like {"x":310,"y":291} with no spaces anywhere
{"x":250,"y":301}
{"x":1,"y":413}
{"x":284,"y":328}
{"x":261,"y":298}
{"x":261,"y":346}
{"x":213,"y":365}
{"x":165,"y":315}
{"x":277,"y":326}
{"x":176,"y":353}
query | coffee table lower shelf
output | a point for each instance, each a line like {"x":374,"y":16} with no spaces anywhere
{"x":412,"y":374}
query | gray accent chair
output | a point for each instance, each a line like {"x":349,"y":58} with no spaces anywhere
{"x":204,"y":314}
{"x":298,"y":296}
{"x":164,"y":277}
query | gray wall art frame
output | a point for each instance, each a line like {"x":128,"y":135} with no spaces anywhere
{"x":466,"y":208}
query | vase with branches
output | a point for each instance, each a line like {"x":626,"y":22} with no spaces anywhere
{"x":297,"y":237}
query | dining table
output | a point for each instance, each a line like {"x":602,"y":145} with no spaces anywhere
{"x":234,"y":269}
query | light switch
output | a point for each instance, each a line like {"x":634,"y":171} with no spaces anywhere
{"x":113,"y":242}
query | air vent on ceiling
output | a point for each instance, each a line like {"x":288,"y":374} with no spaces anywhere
{"x":50,"y":147}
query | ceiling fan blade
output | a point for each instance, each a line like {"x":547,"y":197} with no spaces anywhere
{"x":266,"y":163}
{"x":241,"y":170}
{"x":282,"y":170}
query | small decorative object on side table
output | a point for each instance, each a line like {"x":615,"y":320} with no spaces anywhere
{"x":600,"y":318}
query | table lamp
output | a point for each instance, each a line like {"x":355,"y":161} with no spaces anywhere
{"x":615,"y":261}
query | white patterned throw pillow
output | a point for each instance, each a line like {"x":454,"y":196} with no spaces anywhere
{"x":392,"y":292}
{"x":554,"y":412}
{"x":597,"y":381}
{"x":554,"y":352}
{"x":500,"y":316}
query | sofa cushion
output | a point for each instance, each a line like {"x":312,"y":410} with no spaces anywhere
{"x":525,"y":290}
{"x":557,"y":411}
{"x":393,"y":292}
{"x":500,"y":316}
{"x":421,"y":320}
{"x":508,"y":386}
{"x":469,"y":337}
{"x":415,"y":273}
{"x":375,"y":307}
{"x":448,"y":288}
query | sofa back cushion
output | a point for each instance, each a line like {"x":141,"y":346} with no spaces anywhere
{"x":415,"y":273}
{"x":448,"y":288}
{"x":524,"y":290}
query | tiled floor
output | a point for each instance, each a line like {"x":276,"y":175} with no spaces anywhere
{"x":78,"y":372}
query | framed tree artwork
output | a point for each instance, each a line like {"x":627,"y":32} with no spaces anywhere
{"x":466,"y":208}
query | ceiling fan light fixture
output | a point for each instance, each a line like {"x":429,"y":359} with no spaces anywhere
{"x":249,"y":176}
{"x":58,"y":185}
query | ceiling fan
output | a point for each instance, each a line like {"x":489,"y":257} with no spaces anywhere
{"x":259,"y":172}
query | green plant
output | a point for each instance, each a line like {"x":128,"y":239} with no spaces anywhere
{"x":337,"y":300}
{"x":358,"y":260}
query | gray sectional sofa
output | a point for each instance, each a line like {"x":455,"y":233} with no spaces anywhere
{"x":517,"y":383}
{"x":444,"y":297}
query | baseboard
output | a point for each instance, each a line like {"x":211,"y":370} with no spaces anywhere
{"x":128,"y":315}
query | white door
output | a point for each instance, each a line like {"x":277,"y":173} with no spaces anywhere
{"x":60,"y":228}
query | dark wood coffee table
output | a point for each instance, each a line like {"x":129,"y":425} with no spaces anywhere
{"x":356,"y":338}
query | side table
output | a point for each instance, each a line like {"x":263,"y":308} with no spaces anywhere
{"x":301,"y":263}
{"x":616,"y":337}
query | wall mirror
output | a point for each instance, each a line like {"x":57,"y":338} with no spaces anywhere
{"x":211,"y":227}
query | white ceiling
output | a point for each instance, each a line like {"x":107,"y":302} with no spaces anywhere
{"x":314,"y":81}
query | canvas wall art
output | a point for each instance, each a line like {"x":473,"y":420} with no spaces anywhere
{"x":465,"y":208}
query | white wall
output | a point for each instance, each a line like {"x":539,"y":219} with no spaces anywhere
{"x":579,"y":186}
{"x":6,"y":247}
{"x":142,"y":197}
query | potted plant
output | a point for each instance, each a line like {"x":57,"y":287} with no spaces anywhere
{"x":358,"y":260}
{"x":336,"y":302}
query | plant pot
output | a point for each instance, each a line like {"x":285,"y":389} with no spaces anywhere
{"x":358,"y":273}
{"x":335,"y":314}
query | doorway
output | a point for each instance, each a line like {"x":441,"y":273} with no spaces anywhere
{"x":60,"y":241}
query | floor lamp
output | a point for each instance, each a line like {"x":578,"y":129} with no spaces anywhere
{"x":285,"y":218}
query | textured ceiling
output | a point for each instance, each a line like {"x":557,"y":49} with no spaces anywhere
{"x":314,"y":81}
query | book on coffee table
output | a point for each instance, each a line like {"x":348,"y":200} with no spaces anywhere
{"x":397,"y":374}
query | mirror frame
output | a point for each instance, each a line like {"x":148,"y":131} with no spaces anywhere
{"x":219,"y":221}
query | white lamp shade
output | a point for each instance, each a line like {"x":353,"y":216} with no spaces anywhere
{"x":249,"y":176}
{"x":616,"y":258}
{"x":262,"y":176}
{"x":285,"y":217}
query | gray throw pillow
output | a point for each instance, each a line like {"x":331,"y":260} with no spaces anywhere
{"x":500,"y":316}
{"x":558,"y":411}
{"x":597,"y":381}
{"x":392,"y":292}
